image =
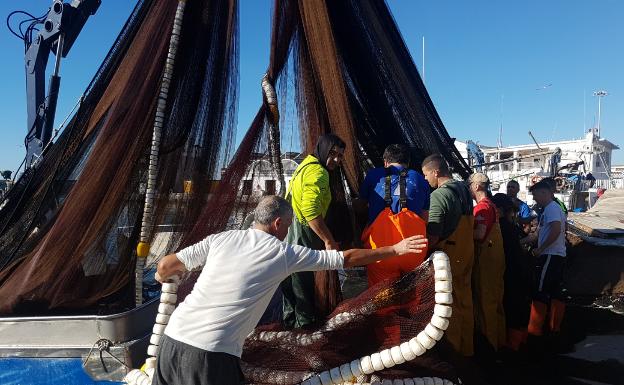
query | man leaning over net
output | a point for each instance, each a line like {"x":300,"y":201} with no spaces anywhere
{"x":242,"y":269}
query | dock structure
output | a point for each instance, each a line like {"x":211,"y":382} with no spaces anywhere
{"x":589,"y":154}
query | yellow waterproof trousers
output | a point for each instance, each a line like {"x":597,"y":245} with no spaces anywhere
{"x":488,"y":287}
{"x":458,"y":247}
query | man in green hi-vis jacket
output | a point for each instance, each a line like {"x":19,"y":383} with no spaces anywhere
{"x":309,"y":194}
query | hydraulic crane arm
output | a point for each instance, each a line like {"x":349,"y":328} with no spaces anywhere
{"x":61,"y":27}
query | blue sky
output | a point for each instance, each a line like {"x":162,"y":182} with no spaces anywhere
{"x":477,"y":53}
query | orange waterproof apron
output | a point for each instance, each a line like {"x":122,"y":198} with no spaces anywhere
{"x":458,"y":247}
{"x":488,"y":287}
{"x":388,"y":229}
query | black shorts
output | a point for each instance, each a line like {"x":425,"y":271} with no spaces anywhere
{"x":183,"y":364}
{"x":548,"y":278}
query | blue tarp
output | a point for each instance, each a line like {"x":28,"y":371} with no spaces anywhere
{"x":45,"y":371}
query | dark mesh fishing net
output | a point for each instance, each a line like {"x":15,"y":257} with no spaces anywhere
{"x":386,"y":315}
{"x":69,"y":228}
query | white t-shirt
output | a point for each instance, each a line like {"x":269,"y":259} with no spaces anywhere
{"x":552,"y":213}
{"x":242,"y":270}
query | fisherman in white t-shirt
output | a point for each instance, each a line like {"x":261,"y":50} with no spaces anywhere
{"x":549,"y":266}
{"x":242,"y":269}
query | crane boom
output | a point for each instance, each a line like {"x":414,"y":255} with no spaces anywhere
{"x":61,"y":27}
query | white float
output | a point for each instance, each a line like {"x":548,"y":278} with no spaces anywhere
{"x":444,"y":298}
{"x":159,"y":329}
{"x":155,"y":339}
{"x":170,"y":298}
{"x":152,"y":350}
{"x":440,"y":322}
{"x":426,"y":341}
{"x":169,"y":287}
{"x":443,"y":310}
{"x":166,"y":308}
{"x":162,"y":318}
{"x":443,"y":286}
{"x":434,"y":332}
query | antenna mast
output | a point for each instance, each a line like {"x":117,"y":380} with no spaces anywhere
{"x":500,"y":130}
{"x":600,"y":94}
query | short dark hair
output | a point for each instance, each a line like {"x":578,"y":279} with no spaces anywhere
{"x":541,"y":185}
{"x":436,"y":162}
{"x":503,"y":202}
{"x":551,"y":183}
{"x":397,"y":153}
{"x":514,"y":182}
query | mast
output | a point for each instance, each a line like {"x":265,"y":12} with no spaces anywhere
{"x":600,"y":94}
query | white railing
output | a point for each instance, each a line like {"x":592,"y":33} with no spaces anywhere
{"x":615,"y":183}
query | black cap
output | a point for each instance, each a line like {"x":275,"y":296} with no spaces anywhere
{"x":541,"y":185}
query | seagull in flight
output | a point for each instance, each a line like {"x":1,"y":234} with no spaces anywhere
{"x":543,"y":87}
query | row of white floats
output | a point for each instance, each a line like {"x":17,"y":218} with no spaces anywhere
{"x":168,"y":299}
{"x":168,"y":295}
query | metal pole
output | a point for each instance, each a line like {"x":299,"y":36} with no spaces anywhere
{"x":59,"y":53}
{"x":500,"y":131}
{"x":535,"y":141}
{"x":53,"y":91}
{"x":599,"y":116}
{"x":600,"y":94}
{"x":584,"y":113}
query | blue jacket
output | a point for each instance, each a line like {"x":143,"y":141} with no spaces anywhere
{"x":373,"y":190}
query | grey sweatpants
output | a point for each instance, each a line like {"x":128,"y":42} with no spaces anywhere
{"x":183,"y":364}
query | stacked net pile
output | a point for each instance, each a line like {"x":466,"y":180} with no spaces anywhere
{"x":384,"y":316}
{"x":69,"y":229}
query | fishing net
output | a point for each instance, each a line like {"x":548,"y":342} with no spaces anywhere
{"x":69,"y":228}
{"x":360,"y":95}
{"x":382,"y":317}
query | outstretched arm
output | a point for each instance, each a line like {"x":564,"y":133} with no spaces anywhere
{"x":361,"y":257}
